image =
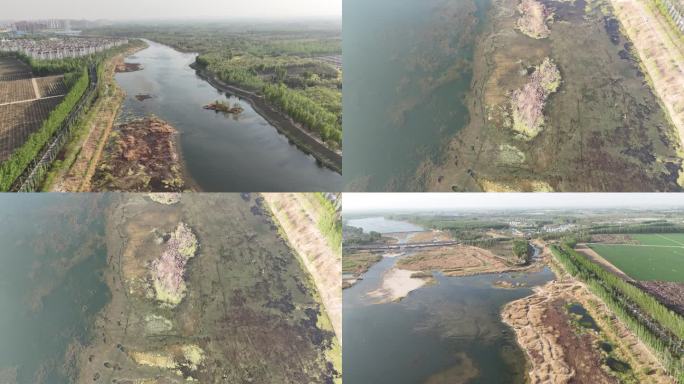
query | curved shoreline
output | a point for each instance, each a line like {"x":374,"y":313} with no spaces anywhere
{"x":282,"y":123}
{"x":547,"y":346}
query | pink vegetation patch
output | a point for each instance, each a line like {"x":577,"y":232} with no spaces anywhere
{"x":168,"y":270}
{"x":533,"y":19}
{"x":528,"y":102}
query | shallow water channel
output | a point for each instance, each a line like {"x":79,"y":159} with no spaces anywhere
{"x":221,"y":153}
{"x":450,"y":331}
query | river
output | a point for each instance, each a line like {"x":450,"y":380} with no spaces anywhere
{"x":221,"y":154}
{"x":450,"y":331}
{"x":407,"y":66}
{"x":51,"y":286}
{"x":383,"y":225}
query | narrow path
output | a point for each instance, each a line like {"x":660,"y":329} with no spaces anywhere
{"x":31,"y":100}
{"x":35,"y":87}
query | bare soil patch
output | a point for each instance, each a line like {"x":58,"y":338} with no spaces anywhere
{"x":613,"y":239}
{"x":559,"y":352}
{"x":461,"y":260}
{"x":429,"y":236}
{"x":397,"y":284}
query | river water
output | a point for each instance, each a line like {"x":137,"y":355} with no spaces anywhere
{"x":407,"y":67}
{"x":383,"y":225}
{"x":447,"y":332}
{"x":221,"y":153}
{"x":51,"y":287}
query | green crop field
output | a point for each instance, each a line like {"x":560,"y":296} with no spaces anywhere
{"x":658,"y":258}
{"x":676,"y":239}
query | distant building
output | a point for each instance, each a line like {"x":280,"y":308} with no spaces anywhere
{"x":59,"y":47}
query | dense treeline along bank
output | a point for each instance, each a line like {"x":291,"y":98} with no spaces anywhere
{"x":17,"y":163}
{"x":657,"y":326}
{"x":290,"y":66}
{"x":76,"y":81}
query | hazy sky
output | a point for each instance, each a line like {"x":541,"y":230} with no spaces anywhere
{"x":454,"y":201}
{"x":164,"y":9}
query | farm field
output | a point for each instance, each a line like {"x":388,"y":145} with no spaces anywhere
{"x":51,"y":86}
{"x":660,"y":239}
{"x":16,"y":90}
{"x":13,"y":69}
{"x":650,"y":262}
{"x":19,"y":121}
{"x":25,"y":103}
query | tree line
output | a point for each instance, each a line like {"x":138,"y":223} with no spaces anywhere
{"x":305,"y":111}
{"x":659,"y":327}
{"x":15,"y":165}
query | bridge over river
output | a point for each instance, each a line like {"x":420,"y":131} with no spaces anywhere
{"x":402,"y":246}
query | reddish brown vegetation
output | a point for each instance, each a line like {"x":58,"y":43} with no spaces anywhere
{"x":142,"y":156}
{"x":128,"y":67}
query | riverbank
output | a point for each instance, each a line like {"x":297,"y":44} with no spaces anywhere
{"x":297,"y":134}
{"x":356,"y":264}
{"x":80,"y":157}
{"x":300,"y":228}
{"x":142,"y":155}
{"x":661,"y":51}
{"x":569,"y":335}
